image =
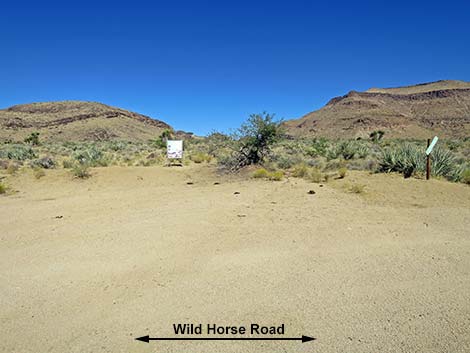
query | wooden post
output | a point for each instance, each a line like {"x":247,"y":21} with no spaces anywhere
{"x":428,"y":163}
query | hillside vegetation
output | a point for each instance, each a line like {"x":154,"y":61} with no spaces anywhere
{"x":419,"y":111}
{"x":76,"y":121}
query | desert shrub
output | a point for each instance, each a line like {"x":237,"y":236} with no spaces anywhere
{"x":465,"y":176}
{"x":17,"y":152}
{"x":444,"y":164}
{"x":33,"y":139}
{"x":318,"y":147}
{"x":38,"y":173}
{"x":160,"y":142}
{"x":335,"y":164}
{"x":217,"y":144}
{"x":117,"y":146}
{"x":408,"y":159}
{"x":12,"y":168}
{"x":405,"y":158}
{"x":376,"y":136}
{"x":357,"y":188}
{"x":342,"y":172}
{"x":80,"y":170}
{"x":67,"y":163}
{"x":315,"y":175}
{"x":285,"y":161}
{"x":276,"y":175}
{"x":300,"y":170}
{"x":200,"y":157}
{"x":260,"y":173}
{"x":3,"y":188}
{"x":344,"y":149}
{"x":92,"y":157}
{"x":45,"y":162}
{"x":255,"y":138}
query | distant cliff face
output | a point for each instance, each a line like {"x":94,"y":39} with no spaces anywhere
{"x":418,"y":111}
{"x":77,"y":121}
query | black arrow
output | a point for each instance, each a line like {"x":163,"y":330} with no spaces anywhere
{"x":148,"y":339}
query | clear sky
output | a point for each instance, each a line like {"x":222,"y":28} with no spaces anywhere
{"x":206,"y":65}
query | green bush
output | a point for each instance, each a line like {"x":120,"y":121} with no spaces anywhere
{"x":67,"y":163}
{"x":342,"y":172}
{"x":3,"y":188}
{"x":465,"y":176}
{"x":301,"y":170}
{"x":17,"y":152}
{"x":409,"y":159}
{"x":255,"y":138}
{"x":81,"y":171}
{"x":357,"y":188}
{"x":92,"y":156}
{"x":315,"y":175}
{"x":200,"y":157}
{"x":260,"y":173}
{"x":33,"y":139}
{"x":276,"y":175}
{"x":406,"y":159}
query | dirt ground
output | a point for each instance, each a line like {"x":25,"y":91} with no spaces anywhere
{"x":89,"y":265}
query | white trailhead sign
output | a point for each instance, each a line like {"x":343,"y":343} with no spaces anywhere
{"x":431,"y":145}
{"x":174,"y":149}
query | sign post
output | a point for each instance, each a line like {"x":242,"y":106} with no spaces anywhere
{"x":430,"y":146}
{"x":174,"y":149}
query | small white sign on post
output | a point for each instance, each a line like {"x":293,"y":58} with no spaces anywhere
{"x":174,"y":149}
{"x":431,"y":145}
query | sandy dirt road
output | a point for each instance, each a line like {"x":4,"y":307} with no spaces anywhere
{"x":87,"y":266}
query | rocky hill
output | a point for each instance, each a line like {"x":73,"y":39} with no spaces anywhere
{"x":419,"y":111}
{"x":76,"y":121}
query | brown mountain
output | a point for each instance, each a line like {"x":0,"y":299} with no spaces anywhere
{"x":76,"y":121}
{"x":419,"y":111}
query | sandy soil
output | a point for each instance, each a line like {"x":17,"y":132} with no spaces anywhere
{"x":87,"y":266}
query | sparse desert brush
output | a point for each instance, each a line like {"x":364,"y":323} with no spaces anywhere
{"x":300,"y":170}
{"x":200,"y":157}
{"x":260,"y":173}
{"x":276,"y":175}
{"x":17,"y":152}
{"x":335,"y":164}
{"x":67,"y":163}
{"x":315,"y":175}
{"x":342,"y":172}
{"x":465,"y":176}
{"x":81,"y":171}
{"x":357,"y":188}
{"x":12,"y":168}
{"x":3,"y":188}
{"x":92,"y":156}
{"x":38,"y":173}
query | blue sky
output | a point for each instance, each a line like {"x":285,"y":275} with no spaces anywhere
{"x":206,"y":65}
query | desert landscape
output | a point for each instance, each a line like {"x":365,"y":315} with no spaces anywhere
{"x":324,"y":224}
{"x":89,"y":265}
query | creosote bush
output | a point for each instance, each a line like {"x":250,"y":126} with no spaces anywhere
{"x":342,"y":172}
{"x":260,"y":173}
{"x":276,"y":175}
{"x":357,"y":188}
{"x":465,"y":176}
{"x":3,"y":188}
{"x":81,"y":171}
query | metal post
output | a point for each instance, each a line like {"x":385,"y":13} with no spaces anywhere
{"x":428,"y":163}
